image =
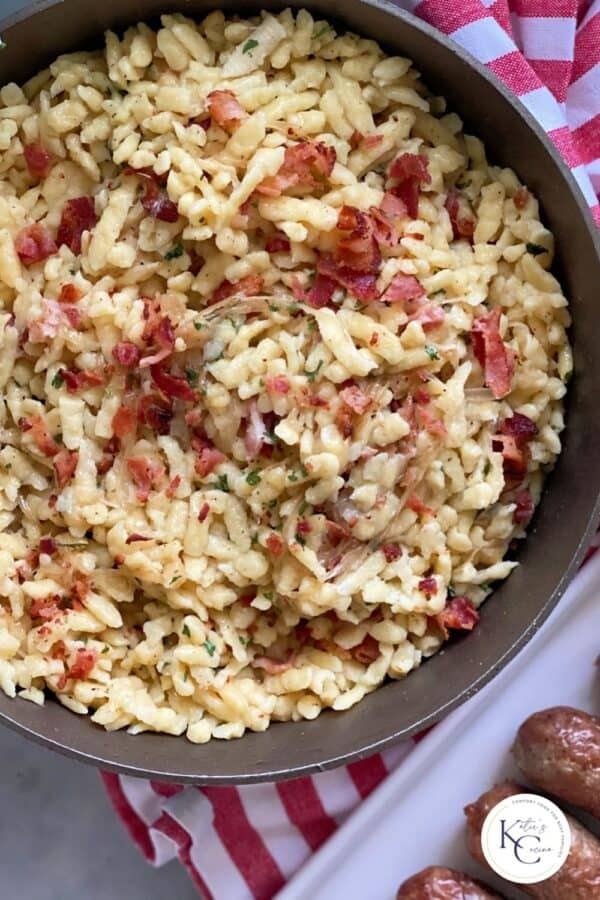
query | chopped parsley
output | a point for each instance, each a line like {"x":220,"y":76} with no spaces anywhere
{"x":487,"y":467}
{"x":272,"y":503}
{"x":186,"y":675}
{"x":249,"y":46}
{"x":451,"y":591}
{"x":221,"y":484}
{"x":567,"y":376}
{"x":323,"y":30}
{"x":254,"y":539}
{"x":292,"y":476}
{"x":244,"y":640}
{"x":58,"y":380}
{"x":300,"y":539}
{"x":272,"y":437}
{"x":431,"y":352}
{"x":198,"y":326}
{"x":358,"y":306}
{"x":273,"y":307}
{"x":210,"y":647}
{"x":304,"y":470}
{"x":175,"y":252}
{"x":441,"y":291}
{"x":174,"y":579}
{"x":312,"y":375}
{"x":303,"y":507}
{"x":293,"y":308}
{"x":253,"y":478}
{"x":106,"y":648}
{"x":268,"y":595}
{"x":185,"y":630}
{"x":535,"y":249}
{"x":312,"y":324}
{"x":192,"y":377}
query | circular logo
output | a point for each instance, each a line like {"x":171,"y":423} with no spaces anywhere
{"x":525,"y":838}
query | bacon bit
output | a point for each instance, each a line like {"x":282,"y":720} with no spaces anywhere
{"x":111,"y":449}
{"x":126,"y":354}
{"x":277,"y":384}
{"x":119,"y":559}
{"x":492,"y":354}
{"x":246,"y":287}
{"x":37,"y":159}
{"x":519,"y":427}
{"x":411,"y":170}
{"x":54,"y":317}
{"x":80,"y":380}
{"x":306,"y":165}
{"x":336,"y":533}
{"x":247,"y":598}
{"x":70,"y":293}
{"x":225,"y":109}
{"x":362,"y":285}
{"x":48,"y":546}
{"x":372,"y":140}
{"x":343,"y":421}
{"x":65,"y":463}
{"x":203,"y":512}
{"x":162,"y":335}
{"x":135,"y":538}
{"x":85,"y":661}
{"x":401,"y":288}
{"x":359,"y":250}
{"x":124,"y":421}
{"x":80,"y":591}
{"x":156,"y":412}
{"x":356,"y":138}
{"x":52,"y":501}
{"x":515,"y":434}
{"x":78,"y":215}
{"x":416,"y":504}
{"x":45,"y":607}
{"x":428,"y":314}
{"x":387,"y":221}
{"x":303,"y":527}
{"x":207,"y":461}
{"x":34,"y":244}
{"x":427,"y":420}
{"x":459,"y":614}
{"x":391,"y":552}
{"x":366,"y":652}
{"x":521,"y":198}
{"x":41,"y":436}
{"x":197,"y":263}
{"x":59,"y":650}
{"x":428,"y":586}
{"x":374,"y":339}
{"x":273,"y":666}
{"x":172,"y":385}
{"x":355,"y":399}
{"x":146,"y":474}
{"x":524,"y":507}
{"x":157,"y":202}
{"x":275,"y":544}
{"x":461,"y":215}
{"x":329,"y":646}
{"x":278,"y":243}
{"x":321,"y":292}
{"x":173,"y":485}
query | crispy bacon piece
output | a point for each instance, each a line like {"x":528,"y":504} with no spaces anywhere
{"x":387,"y":220}
{"x":416,"y":504}
{"x":519,"y":427}
{"x":156,"y":201}
{"x":54,"y":317}
{"x":207,"y":460}
{"x":410,"y":170}
{"x":225,"y":109}
{"x":40,"y":434}
{"x":305,"y":165}
{"x":524,"y":507}
{"x":34,"y":244}
{"x":356,"y":138}
{"x":429,"y":421}
{"x":277,"y":243}
{"x":37,"y":159}
{"x":461,"y":215}
{"x":126,"y":354}
{"x":320,"y":293}
{"x":360,"y":250}
{"x":492,"y":354}
{"x":203,"y":512}
{"x":303,"y":527}
{"x":81,"y":668}
{"x":362,"y":285}
{"x":70,"y":293}
{"x":336,"y":533}
{"x":158,"y":331}
{"x":459,"y":614}
{"x":65,"y":463}
{"x":48,"y":546}
{"x":521,"y":198}
{"x":273,"y":666}
{"x":391,"y":552}
{"x":275,"y":544}
{"x":78,"y":215}
{"x":428,"y":586}
{"x":277,"y":384}
{"x":511,"y":442}
{"x":136,"y":538}
{"x":124,"y":421}
{"x":146,"y":474}
{"x":45,"y":607}
{"x":401,"y":288}
{"x":173,"y":485}
{"x":355,"y":399}
{"x":111,"y":448}
{"x":246,"y":287}
{"x":81,"y":380}
{"x":172,"y":385}
{"x":156,"y":412}
{"x":367,"y":651}
{"x":80,"y":590}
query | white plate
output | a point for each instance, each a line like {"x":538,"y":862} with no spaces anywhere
{"x":415,"y":818}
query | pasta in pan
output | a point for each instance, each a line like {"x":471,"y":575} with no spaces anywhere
{"x":282,"y":367}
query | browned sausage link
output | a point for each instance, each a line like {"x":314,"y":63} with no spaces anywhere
{"x":439,"y":883}
{"x":558,"y":750}
{"x":579,"y":877}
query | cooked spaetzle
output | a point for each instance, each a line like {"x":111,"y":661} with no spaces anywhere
{"x":282,"y":367}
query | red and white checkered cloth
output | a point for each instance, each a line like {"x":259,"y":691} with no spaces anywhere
{"x":246,"y":842}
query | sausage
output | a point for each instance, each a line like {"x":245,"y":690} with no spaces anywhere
{"x":579,"y":877}
{"x":558,"y":750}
{"x":439,"y":883}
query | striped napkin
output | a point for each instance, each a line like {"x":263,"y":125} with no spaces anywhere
{"x":247,"y":842}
